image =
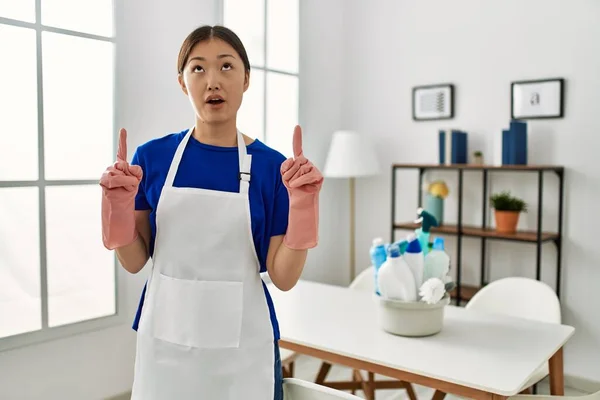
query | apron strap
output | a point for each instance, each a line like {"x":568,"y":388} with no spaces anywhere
{"x":245,"y":160}
{"x":177,"y":159}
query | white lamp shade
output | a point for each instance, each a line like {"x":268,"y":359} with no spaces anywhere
{"x":350,"y":156}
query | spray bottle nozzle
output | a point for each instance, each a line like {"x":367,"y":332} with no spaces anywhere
{"x":426,"y":220}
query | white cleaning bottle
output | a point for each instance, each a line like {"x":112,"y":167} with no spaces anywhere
{"x":415,"y":259}
{"x":437,"y":262}
{"x":395,"y":280}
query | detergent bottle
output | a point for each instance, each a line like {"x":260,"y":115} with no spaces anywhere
{"x":378,"y":256}
{"x":415,"y":259}
{"x":437,"y":262}
{"x":395,"y":280}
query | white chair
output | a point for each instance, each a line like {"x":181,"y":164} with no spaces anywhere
{"x":524,"y":298}
{"x":519,"y":297}
{"x":592,"y":396}
{"x":365,"y":281}
{"x":296,"y":389}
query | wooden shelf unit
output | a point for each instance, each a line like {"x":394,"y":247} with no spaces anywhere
{"x":538,"y":237}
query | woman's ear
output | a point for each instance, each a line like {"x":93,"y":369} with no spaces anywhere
{"x":246,"y":81}
{"x":182,"y":83}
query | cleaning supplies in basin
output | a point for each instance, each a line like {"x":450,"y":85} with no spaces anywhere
{"x":427,"y":221}
{"x":378,"y":255}
{"x":432,"y":291}
{"x":395,"y":279}
{"x":414,"y":258}
{"x":437,"y":262}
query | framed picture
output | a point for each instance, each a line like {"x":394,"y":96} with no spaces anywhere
{"x":433,"y":102}
{"x":537,"y":99}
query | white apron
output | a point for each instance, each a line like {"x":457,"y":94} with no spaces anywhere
{"x":205,"y":330}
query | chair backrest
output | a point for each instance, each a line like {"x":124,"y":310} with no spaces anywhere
{"x":296,"y":389}
{"x":518,"y":297}
{"x":365,"y":281}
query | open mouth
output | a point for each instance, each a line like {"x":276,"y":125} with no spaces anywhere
{"x":215,"y":100}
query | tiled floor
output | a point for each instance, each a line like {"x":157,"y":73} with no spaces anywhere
{"x":307,"y":367}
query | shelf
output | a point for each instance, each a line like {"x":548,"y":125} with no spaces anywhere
{"x":477,"y":167}
{"x":466,"y":292}
{"x":473,"y":231}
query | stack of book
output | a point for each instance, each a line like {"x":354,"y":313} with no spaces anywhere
{"x":453,"y":147}
{"x":514,"y":144}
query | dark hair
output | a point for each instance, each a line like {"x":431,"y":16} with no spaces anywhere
{"x":208,"y":32}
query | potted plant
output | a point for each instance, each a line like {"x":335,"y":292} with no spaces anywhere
{"x":478,"y":157}
{"x":507,"y":211}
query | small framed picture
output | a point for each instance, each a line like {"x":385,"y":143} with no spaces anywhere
{"x":433,"y":102}
{"x":537,"y":99}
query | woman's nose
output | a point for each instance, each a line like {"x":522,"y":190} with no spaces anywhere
{"x":213,"y":81}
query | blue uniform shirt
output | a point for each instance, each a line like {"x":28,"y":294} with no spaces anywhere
{"x":216,"y":168}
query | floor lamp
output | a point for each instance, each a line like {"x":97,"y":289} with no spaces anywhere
{"x":351,"y":156}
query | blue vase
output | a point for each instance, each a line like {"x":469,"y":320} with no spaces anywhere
{"x":435,"y":206}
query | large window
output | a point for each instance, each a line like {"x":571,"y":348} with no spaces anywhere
{"x":269,"y":31}
{"x":56,"y":139}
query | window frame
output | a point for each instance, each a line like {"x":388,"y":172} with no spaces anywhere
{"x":46,"y":333}
{"x":266,"y":69}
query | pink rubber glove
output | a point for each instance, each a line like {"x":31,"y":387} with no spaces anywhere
{"x":119,"y":186}
{"x":303,"y":181}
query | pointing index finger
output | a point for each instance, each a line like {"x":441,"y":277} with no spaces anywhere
{"x":122,"y":149}
{"x":297,"y":141}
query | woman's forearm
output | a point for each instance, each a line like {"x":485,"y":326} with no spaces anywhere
{"x":287,"y":267}
{"x":134,"y":256}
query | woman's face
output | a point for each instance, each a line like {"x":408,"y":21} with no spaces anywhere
{"x":215,"y":80}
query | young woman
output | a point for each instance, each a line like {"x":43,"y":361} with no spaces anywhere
{"x":212,"y":208}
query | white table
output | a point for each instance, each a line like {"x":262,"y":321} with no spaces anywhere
{"x":476,"y":355}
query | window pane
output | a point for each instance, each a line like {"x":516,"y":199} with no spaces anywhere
{"x":18,"y":105}
{"x":81,"y":272}
{"x":23,"y":10}
{"x":282,"y":35}
{"x":20,"y":304}
{"x":89,"y":16}
{"x":78,"y":106}
{"x":282,"y":111}
{"x":247,"y":19}
{"x":251,"y":114}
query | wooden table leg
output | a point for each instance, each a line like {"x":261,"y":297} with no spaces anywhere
{"x":367,"y":387}
{"x":438,"y":395}
{"x":557,"y":378}
{"x":323,"y":371}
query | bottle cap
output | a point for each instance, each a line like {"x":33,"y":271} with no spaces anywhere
{"x":394,"y":251}
{"x":377,"y":242}
{"x":413,"y":246}
{"x":438,"y":244}
{"x":403,"y":245}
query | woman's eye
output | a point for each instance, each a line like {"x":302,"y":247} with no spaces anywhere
{"x":226,"y":67}
{"x":198,"y":68}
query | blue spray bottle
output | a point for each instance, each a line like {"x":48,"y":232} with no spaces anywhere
{"x":427,"y":221}
{"x":378,"y":254}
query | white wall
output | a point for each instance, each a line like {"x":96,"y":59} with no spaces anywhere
{"x":321,"y":101}
{"x":100,"y":364}
{"x":391,"y":46}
